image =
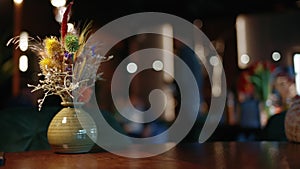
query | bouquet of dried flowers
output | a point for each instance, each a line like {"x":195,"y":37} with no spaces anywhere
{"x":68,"y":64}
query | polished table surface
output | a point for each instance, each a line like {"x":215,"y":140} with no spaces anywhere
{"x":213,"y":155}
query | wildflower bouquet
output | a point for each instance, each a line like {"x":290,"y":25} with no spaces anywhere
{"x":68,"y":64}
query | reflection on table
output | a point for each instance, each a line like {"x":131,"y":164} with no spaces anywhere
{"x":231,"y":155}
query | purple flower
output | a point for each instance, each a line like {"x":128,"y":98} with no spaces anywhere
{"x":68,"y":55}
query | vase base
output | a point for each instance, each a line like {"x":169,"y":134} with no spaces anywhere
{"x":72,"y":150}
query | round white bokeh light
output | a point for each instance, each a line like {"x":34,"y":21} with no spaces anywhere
{"x":158,"y":65}
{"x":131,"y":67}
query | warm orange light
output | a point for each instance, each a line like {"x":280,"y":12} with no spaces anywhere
{"x":18,"y":2}
{"x":23,"y":44}
{"x":23,"y":63}
{"x":241,"y":30}
{"x":58,"y":3}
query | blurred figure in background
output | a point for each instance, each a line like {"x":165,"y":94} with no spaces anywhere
{"x":285,"y":86}
{"x":248,"y":108}
{"x":284,"y":90}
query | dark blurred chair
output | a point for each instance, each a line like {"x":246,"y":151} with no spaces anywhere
{"x":223,"y":132}
{"x":274,"y":129}
{"x":25,"y":128}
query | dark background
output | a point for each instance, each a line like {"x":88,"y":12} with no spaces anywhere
{"x":218,"y":17}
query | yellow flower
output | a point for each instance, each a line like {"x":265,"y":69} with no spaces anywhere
{"x":52,"y":47}
{"x":48,"y":63}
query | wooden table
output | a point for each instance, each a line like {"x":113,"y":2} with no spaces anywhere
{"x":214,"y":155}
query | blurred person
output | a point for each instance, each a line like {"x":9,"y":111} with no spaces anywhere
{"x":285,"y":86}
{"x":249,"y":112}
{"x":284,"y":90}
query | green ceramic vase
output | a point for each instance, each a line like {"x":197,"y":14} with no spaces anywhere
{"x":72,"y":130}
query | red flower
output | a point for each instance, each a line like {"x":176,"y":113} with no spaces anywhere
{"x":244,"y":84}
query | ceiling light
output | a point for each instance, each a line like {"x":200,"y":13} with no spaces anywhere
{"x":18,"y":1}
{"x":58,"y":3}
